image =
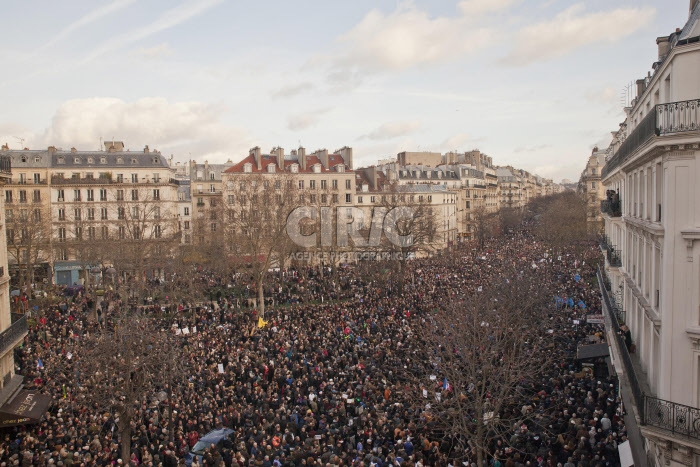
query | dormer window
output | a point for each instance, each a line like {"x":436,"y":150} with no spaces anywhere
{"x":294,"y":168}
{"x":340,"y":168}
{"x":103,"y":160}
{"x":76,"y":160}
{"x":24,"y":158}
{"x":247,"y":167}
{"x":120,"y":160}
{"x":317,"y":168}
{"x":37,"y":159}
{"x":91,"y":160}
{"x":61,"y":160}
{"x":155,"y":160}
{"x":271,"y":168}
{"x":133,"y":161}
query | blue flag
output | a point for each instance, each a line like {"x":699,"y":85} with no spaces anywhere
{"x":39,"y":364}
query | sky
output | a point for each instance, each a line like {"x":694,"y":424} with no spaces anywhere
{"x":533,"y":83}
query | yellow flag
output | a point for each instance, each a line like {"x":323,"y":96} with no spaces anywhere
{"x":261,"y":323}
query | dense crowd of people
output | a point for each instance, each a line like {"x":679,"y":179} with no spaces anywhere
{"x":318,"y":384}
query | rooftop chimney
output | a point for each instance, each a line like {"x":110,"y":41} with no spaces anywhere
{"x":322,"y":154}
{"x":301,"y":154}
{"x":146,"y":150}
{"x":664,"y":46}
{"x":346,"y":153}
{"x":279,"y":154}
{"x":641,"y":87}
{"x":52,"y":150}
{"x":5,"y":147}
{"x":255,"y":152}
{"x":73,"y":150}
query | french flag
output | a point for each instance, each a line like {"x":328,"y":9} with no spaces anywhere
{"x":39,"y":364}
{"x":445,"y":385}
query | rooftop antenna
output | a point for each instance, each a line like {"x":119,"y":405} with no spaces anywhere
{"x":100,"y":148}
{"x":21,"y":141}
{"x":626,"y":95}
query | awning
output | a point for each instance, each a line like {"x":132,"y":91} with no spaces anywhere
{"x":26,"y":407}
{"x":585,"y":352}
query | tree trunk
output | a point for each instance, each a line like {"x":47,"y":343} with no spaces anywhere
{"x":261,"y":297}
{"x":125,"y":435}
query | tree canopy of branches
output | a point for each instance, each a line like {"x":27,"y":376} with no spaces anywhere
{"x":256,"y":224}
{"x":561,"y":219}
{"x":28,"y":240}
{"x":476,"y":361}
{"x":128,"y":363}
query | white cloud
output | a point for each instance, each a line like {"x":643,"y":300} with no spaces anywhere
{"x":458,"y":142}
{"x":572,"y":29}
{"x":305,"y":120}
{"x":392,"y":130}
{"x":409,"y":37}
{"x":155,"y":52}
{"x":177,"y":127}
{"x":169,"y":19}
{"x":291,"y":90}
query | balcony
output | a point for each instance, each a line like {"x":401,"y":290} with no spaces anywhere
{"x":14,"y":334}
{"x":666,"y":119}
{"x":611,"y":208}
{"x":678,"y":419}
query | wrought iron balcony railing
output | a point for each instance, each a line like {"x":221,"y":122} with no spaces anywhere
{"x":673,"y":117}
{"x":17,"y":329}
{"x":677,"y":117}
{"x":679,"y":419}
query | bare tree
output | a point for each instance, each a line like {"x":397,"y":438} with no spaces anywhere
{"x":124,"y":365}
{"x":562,"y":220}
{"x":28,"y":240}
{"x":483,"y":225}
{"x":476,"y":360}
{"x":256,"y":224}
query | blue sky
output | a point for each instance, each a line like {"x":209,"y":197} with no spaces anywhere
{"x":533,"y":83}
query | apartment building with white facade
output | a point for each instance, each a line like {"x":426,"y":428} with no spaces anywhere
{"x":652,"y":227}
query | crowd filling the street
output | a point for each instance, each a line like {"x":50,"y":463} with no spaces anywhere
{"x":321,"y":378}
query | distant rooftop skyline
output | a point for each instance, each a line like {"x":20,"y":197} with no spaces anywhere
{"x":532,"y":83}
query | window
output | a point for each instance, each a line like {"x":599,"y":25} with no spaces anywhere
{"x":23,"y":215}
{"x":134,"y":195}
{"x":312,"y":184}
{"x":120,"y":178}
{"x":61,"y":234}
{"x":313,"y":199}
{"x":334,"y":184}
{"x":62,"y":254}
{"x":10,"y":233}
{"x":37,"y":178}
{"x":103,"y":194}
{"x":211,"y":176}
{"x":37,"y":196}
{"x":61,"y":214}
{"x":324,"y":199}
{"x":359,"y":200}
{"x":593,"y":185}
{"x":22,"y":196}
{"x":187,"y":225}
{"x":324,"y":184}
{"x":37,"y":215}
{"x":156,"y":178}
{"x":122,"y":232}
{"x":120,"y":195}
{"x":135,"y":212}
{"x":103,"y":214}
{"x":104,"y":231}
{"x":8,"y":196}
{"x":213,"y":226}
{"x":92,"y":231}
{"x":76,"y":195}
{"x":348,"y":198}
{"x":61,"y":160}
{"x":156,"y":193}
{"x":121,"y":213}
{"x":103,"y":160}
{"x":187,"y":211}
{"x":157,"y":231}
{"x":75,"y":176}
{"x":301,"y":184}
{"x":22,"y":179}
{"x":335,"y":199}
{"x":91,"y":214}
{"x":278,"y":184}
{"x":212,"y":203}
{"x":231,"y":199}
{"x":76,"y":214}
{"x":137,"y":233}
{"x":134,"y":178}
{"x":372,"y":199}
{"x":90,"y":194}
{"x":188,"y":239}
{"x":90,"y":176}
{"x":79,"y":233}
{"x":347,"y":184}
